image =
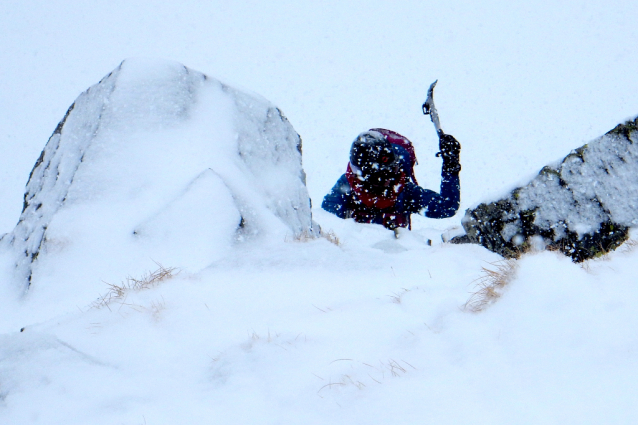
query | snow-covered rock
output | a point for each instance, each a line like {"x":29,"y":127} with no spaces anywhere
{"x":582,"y":206}
{"x":165,"y":164}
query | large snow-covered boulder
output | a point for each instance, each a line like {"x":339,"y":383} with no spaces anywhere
{"x":157,"y":163}
{"x":582,"y":206}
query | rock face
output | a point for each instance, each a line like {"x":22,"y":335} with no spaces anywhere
{"x":158,"y":162}
{"x":582,"y":206}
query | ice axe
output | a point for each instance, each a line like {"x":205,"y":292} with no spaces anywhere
{"x":430,"y":109}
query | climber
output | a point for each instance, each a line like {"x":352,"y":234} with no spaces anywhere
{"x":379,"y":184}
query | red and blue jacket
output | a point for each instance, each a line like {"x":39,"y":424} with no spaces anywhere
{"x":346,"y":201}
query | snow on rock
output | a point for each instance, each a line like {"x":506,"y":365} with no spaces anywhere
{"x":165,"y":164}
{"x":583,"y":206}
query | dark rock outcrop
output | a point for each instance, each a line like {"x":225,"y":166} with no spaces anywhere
{"x":583,"y":206}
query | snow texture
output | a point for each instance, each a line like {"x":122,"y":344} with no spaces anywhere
{"x":583,"y":206}
{"x":156,"y":158}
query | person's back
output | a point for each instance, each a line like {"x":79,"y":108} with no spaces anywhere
{"x":379,"y":185}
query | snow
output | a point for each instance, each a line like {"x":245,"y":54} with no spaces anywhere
{"x":280,"y":330}
{"x":335,"y":344}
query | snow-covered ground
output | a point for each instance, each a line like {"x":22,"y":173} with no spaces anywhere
{"x":370,"y":330}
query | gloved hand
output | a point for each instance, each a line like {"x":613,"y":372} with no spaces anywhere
{"x":450,"y":149}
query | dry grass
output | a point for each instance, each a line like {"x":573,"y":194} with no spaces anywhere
{"x":626,"y":248}
{"x":307,"y":236}
{"x":331,"y":237}
{"x":362,"y":371}
{"x":118,"y":293}
{"x":491,"y":284}
{"x":396,"y":297}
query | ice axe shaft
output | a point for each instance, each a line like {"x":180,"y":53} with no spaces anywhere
{"x":430,"y":109}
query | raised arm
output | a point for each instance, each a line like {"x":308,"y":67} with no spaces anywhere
{"x":446,"y":203}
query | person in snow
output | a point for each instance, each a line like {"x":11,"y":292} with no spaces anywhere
{"x":379,"y":185}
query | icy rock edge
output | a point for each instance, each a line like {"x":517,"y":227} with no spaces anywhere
{"x":582,"y":207}
{"x":142,"y":139}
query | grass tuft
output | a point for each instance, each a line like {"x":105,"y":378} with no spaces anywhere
{"x":491,"y":284}
{"x":307,"y":236}
{"x":331,"y":237}
{"x":118,"y":293}
{"x":358,"y":376}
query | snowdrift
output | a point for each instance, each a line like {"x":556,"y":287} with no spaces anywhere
{"x":584,"y":206}
{"x":165,"y":164}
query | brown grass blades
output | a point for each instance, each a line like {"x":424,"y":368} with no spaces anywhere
{"x":117,"y":293}
{"x":331,"y":237}
{"x":305,"y":236}
{"x":358,"y":375}
{"x":491,"y":284}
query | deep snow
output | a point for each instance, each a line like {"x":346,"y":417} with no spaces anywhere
{"x":371,"y":331}
{"x":314,"y":333}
